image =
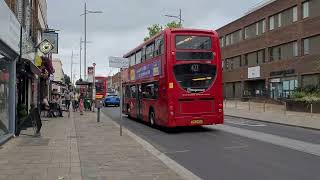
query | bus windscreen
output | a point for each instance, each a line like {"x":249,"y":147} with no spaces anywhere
{"x":193,"y":42}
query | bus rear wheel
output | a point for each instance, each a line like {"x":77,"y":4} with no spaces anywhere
{"x":152,"y":118}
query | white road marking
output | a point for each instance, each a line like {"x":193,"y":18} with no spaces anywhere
{"x":245,"y":123}
{"x":235,"y":147}
{"x":174,"y":152}
{"x":301,"y":146}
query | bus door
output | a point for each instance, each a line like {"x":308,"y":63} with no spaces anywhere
{"x":139,"y":102}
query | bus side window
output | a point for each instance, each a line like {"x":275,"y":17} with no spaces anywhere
{"x":149,"y":51}
{"x":150,"y":90}
{"x":133,"y":91}
{"x":159,"y":46}
{"x":127,"y":92}
{"x":143,"y":58}
{"x":138,"y":57}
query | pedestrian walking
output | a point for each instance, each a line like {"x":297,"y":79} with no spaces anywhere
{"x":67,"y":98}
{"x":81,"y":104}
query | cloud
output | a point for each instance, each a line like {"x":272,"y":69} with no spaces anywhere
{"x":122,"y":26}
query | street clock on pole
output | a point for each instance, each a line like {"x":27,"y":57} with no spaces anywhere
{"x":45,"y":46}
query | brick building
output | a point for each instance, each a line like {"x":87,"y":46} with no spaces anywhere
{"x":272,"y":50}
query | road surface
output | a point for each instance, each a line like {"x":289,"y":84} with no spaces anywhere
{"x":241,"y":149}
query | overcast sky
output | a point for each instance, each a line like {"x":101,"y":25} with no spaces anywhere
{"x":123,"y":24}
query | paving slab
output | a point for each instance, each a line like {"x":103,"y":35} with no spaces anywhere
{"x":271,"y":113}
{"x":79,"y":148}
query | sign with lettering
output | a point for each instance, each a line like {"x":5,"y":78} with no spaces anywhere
{"x":253,"y":72}
{"x":10,"y":27}
{"x":118,"y":62}
{"x":282,"y":73}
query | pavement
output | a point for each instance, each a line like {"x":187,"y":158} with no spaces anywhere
{"x":79,"y":148}
{"x":271,"y":113}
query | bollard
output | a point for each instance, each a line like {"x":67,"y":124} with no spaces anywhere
{"x":264,"y":106}
{"x":98,"y":105}
{"x":311,"y":109}
{"x":285,"y":108}
{"x":98,"y":115}
{"x":249,"y":105}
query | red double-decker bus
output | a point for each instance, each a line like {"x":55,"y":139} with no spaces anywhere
{"x":101,"y":87}
{"x":175,"y":79}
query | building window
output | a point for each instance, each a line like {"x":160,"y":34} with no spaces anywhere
{"x":222,"y":42}
{"x":306,"y":46}
{"x":279,"y":20}
{"x":295,"y":14}
{"x":295,"y":49}
{"x":305,"y":9}
{"x":254,"y":30}
{"x":311,"y":45}
{"x":263,"y":26}
{"x":222,"y":64}
{"x":244,"y":62}
{"x":283,"y":18}
{"x":236,"y":62}
{"x":284,"y":51}
{"x":271,"y":23}
{"x":4,"y":96}
{"x":246,"y":33}
{"x":228,"y":38}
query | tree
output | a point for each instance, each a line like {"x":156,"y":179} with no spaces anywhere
{"x":174,"y":24}
{"x":67,"y":79}
{"x":153,"y":30}
{"x":156,"y":28}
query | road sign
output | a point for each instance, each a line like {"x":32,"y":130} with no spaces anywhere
{"x":118,"y":62}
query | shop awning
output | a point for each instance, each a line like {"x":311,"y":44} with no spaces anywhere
{"x":85,"y":83}
{"x":33,"y":68}
{"x":25,"y":66}
{"x":58,"y":83}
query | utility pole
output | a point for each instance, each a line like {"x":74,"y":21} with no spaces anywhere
{"x":80,"y":55}
{"x":71,"y":67}
{"x":177,"y":17}
{"x":72,"y":63}
{"x":85,"y":37}
{"x":85,"y":41}
{"x":180,"y":17}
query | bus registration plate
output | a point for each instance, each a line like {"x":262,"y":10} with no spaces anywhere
{"x":196,"y":121}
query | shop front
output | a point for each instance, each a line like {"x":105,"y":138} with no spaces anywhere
{"x":282,"y":83}
{"x":4,"y":97}
{"x":9,"y":49}
{"x":281,"y":88}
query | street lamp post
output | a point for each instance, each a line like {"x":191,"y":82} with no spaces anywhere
{"x":94,"y":86}
{"x":85,"y":36}
{"x":177,"y":17}
{"x":72,"y":63}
